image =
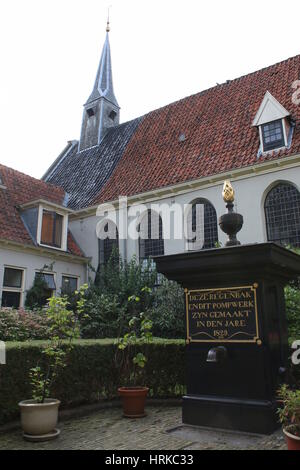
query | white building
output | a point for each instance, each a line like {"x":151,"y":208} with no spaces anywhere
{"x":35,"y":239}
{"x":246,"y":130}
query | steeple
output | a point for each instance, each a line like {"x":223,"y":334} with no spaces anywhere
{"x":101,"y":111}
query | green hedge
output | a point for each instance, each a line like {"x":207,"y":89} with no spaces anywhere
{"x":90,"y":374}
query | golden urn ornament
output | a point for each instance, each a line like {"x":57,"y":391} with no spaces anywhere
{"x":232,"y":222}
{"x":228,"y":192}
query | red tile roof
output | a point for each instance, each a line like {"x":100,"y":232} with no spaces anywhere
{"x":20,"y":189}
{"x":72,"y":246}
{"x":217,"y":124}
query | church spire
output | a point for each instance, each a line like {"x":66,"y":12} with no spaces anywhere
{"x":101,"y":111}
{"x":103,"y":86}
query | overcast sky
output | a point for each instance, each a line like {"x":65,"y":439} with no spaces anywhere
{"x":162,"y":50}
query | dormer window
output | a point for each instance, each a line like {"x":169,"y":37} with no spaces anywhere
{"x":274,"y":125}
{"x":52,"y":228}
{"x":46,"y":222}
{"x":272,"y":135}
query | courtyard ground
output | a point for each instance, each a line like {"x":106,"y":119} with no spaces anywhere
{"x":161,"y":429}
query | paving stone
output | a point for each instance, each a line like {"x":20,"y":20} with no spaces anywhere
{"x":107,"y":429}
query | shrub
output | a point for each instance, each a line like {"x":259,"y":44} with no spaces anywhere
{"x":91,"y":373}
{"x":131,"y":360}
{"x":289,"y":413}
{"x":292,"y":305}
{"x":103,"y":316}
{"x":125,"y":279}
{"x":167,"y":312}
{"x":63,"y":329}
{"x":20,"y":325}
{"x":108,"y":307}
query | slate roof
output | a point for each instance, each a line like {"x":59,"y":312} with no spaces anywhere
{"x":83,"y":174}
{"x":103,"y":86}
{"x":218,"y":135}
{"x":20,"y":189}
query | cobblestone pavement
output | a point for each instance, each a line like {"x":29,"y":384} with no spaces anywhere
{"x":107,"y":429}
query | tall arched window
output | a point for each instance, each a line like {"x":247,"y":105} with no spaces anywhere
{"x":151,"y":242}
{"x":282,"y":212}
{"x":202,"y":226}
{"x":109,"y":244}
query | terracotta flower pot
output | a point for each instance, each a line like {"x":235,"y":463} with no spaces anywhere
{"x":133,"y":400}
{"x":293,"y":442}
{"x":39,"y":419}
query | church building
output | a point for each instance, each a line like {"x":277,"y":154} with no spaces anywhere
{"x":246,"y":130}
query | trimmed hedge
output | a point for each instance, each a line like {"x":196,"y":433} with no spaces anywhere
{"x":91,"y":374}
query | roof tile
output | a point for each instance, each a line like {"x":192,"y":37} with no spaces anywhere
{"x":20,"y":189}
{"x":217,"y":124}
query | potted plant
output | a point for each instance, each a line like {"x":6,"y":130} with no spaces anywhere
{"x":131,"y":363}
{"x":289,"y":415}
{"x":39,"y":415}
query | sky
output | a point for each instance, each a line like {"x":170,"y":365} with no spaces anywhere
{"x":162,"y":51}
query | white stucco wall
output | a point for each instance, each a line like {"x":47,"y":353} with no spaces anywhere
{"x":250,"y":194}
{"x":84,"y":232}
{"x":31,"y":263}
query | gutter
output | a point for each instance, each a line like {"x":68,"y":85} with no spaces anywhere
{"x":44,"y":202}
{"x":43,"y":251}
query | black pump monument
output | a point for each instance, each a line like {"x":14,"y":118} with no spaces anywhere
{"x":237,"y":345}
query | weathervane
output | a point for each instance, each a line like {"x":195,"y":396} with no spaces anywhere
{"x":107,"y":24}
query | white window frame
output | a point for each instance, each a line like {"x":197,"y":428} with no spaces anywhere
{"x":19,"y":290}
{"x":64,"y":235}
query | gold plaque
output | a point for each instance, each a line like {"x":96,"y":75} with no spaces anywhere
{"x":225,"y":314}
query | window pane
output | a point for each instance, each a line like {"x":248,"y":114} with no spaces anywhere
{"x":11,"y":299}
{"x":69,"y":284}
{"x":58,"y":229}
{"x":47,"y":228}
{"x":49,"y":281}
{"x":151,"y":242}
{"x":203,"y":225}
{"x":273,"y":135}
{"x":12,"y":278}
{"x":282,"y":211}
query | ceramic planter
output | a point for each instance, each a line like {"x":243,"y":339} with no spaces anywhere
{"x":133,"y":400}
{"x":39,"y":420}
{"x":293,"y":442}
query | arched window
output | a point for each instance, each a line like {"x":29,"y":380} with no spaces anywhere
{"x":202,"y":226}
{"x":282,"y":212}
{"x":151,"y":242}
{"x":109,"y":244}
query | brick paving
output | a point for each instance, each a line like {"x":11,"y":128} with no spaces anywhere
{"x":107,"y":429}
